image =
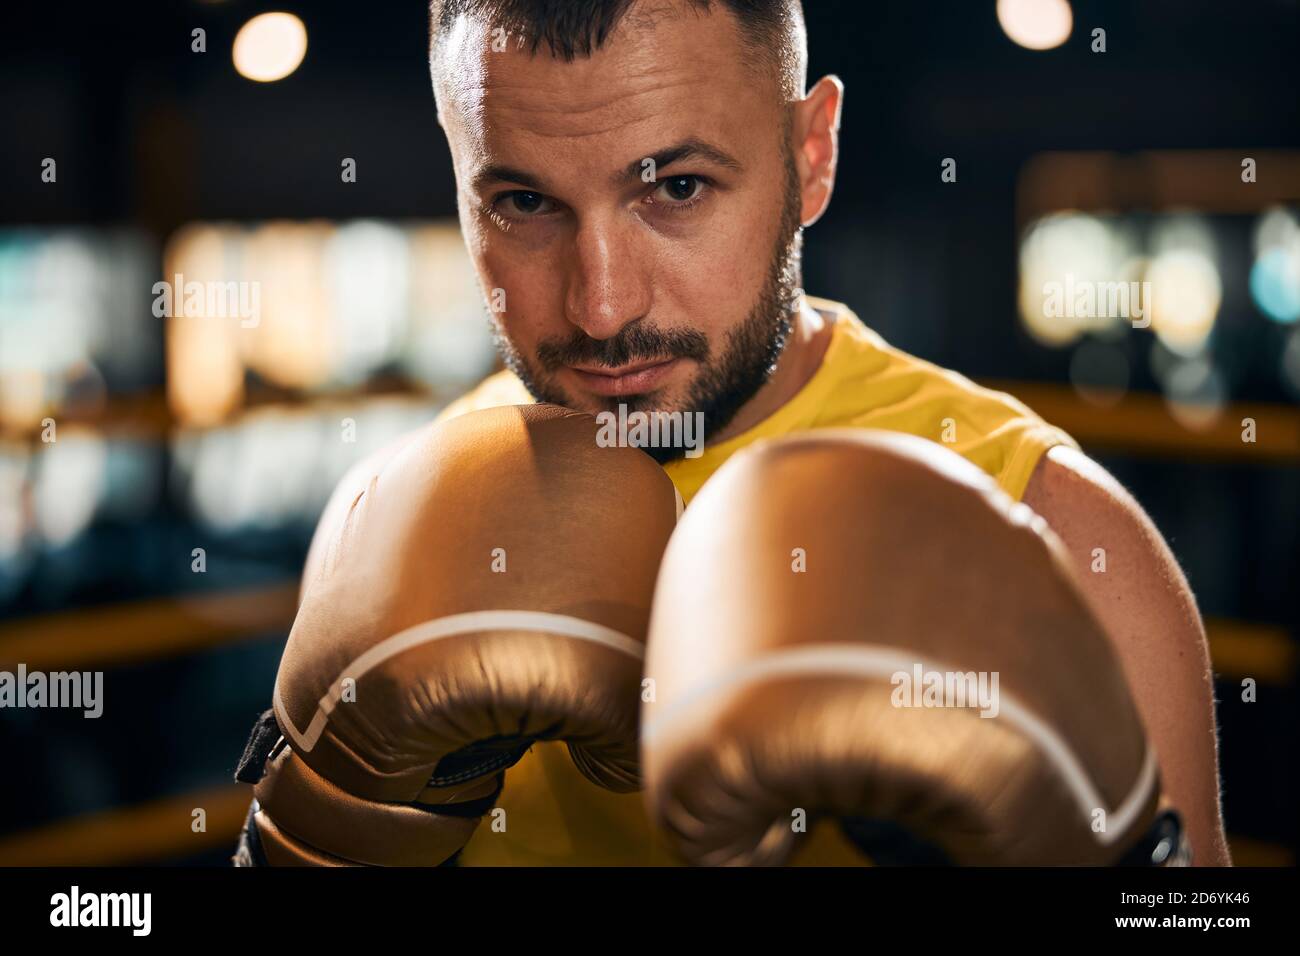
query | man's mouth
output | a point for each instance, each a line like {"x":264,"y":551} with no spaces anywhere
{"x":633,"y":378}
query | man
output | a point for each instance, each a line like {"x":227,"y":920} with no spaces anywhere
{"x":633,"y":180}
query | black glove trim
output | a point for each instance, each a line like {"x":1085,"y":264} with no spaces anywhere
{"x":480,"y":759}
{"x":1163,"y":844}
{"x":249,"y":850}
{"x":887,"y":843}
{"x":467,"y":808}
{"x":261,"y":741}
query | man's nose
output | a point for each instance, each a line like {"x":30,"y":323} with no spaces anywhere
{"x":607,"y":285}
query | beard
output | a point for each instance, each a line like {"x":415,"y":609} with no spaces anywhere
{"x":725,"y":382}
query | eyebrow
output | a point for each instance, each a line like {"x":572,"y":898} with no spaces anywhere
{"x":496,"y":173}
{"x":687,"y":149}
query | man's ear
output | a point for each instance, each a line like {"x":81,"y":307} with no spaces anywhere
{"x":816,"y":145}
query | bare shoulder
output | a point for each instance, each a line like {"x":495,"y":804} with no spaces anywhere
{"x":1133,"y":582}
{"x":1083,"y":502}
{"x":1071,"y":485}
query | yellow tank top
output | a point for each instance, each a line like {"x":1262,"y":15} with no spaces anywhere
{"x":553,"y":815}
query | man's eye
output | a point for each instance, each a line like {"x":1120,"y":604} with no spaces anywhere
{"x":679,"y":189}
{"x":523,"y":203}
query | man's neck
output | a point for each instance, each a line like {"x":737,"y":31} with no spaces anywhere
{"x":809,"y":337}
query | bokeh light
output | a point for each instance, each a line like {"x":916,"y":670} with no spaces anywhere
{"x":70,"y":483}
{"x":338,"y":304}
{"x":1275,"y":275}
{"x":269,"y":47}
{"x":205,"y":380}
{"x":292,"y":342}
{"x":1186,"y":292}
{"x":73,"y":313}
{"x":1036,"y":24}
{"x":1068,"y":251}
{"x":368,"y":266}
{"x":275,"y":466}
{"x":450,"y":338}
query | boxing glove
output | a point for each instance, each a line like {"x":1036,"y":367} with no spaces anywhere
{"x":861,"y":626}
{"x":489,"y":587}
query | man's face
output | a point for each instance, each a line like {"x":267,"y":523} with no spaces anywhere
{"x":673,"y":294}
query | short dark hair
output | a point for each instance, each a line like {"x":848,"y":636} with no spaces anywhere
{"x":772,"y":30}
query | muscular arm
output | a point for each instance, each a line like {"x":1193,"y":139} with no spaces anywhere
{"x":1145,"y":604}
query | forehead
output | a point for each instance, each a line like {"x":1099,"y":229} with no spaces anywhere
{"x":667,"y":74}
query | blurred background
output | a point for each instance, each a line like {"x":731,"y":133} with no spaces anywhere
{"x":160,"y":476}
